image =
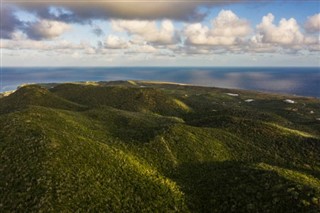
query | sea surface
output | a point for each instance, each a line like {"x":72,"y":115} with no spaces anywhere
{"x":300,"y":81}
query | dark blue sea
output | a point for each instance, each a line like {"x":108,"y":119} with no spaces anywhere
{"x":297,"y":81}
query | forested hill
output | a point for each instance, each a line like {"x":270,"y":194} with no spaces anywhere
{"x":136,"y":146}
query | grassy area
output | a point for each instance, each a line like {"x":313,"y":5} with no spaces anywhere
{"x":132,"y":146}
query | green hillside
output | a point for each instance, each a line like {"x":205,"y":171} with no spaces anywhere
{"x":134,"y":146}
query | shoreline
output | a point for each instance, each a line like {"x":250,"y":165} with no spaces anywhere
{"x":141,"y":83}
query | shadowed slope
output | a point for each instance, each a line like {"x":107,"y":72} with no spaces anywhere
{"x":53,"y":167}
{"x":125,"y":98}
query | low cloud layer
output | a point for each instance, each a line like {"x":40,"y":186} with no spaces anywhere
{"x":58,"y":46}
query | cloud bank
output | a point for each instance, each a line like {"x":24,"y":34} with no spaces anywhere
{"x":74,"y":11}
{"x":150,"y":27}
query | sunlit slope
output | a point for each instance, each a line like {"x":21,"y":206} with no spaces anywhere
{"x":143,"y":147}
{"x":35,"y":95}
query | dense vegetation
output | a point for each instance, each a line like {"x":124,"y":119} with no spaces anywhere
{"x":133,"y":146}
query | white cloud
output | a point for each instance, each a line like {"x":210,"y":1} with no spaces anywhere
{"x":227,"y":29}
{"x":115,"y":42}
{"x":47,"y":29}
{"x":287,"y":33}
{"x":313,"y":23}
{"x":148,"y":30}
{"x":229,"y":24}
{"x":285,"y":37}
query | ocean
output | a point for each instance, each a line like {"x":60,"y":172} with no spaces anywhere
{"x":300,"y":81}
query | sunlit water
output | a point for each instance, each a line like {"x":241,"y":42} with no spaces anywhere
{"x":297,"y":81}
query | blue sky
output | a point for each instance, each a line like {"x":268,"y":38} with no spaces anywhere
{"x":151,"y":33}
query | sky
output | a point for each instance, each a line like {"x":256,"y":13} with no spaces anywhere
{"x":160,"y":33}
